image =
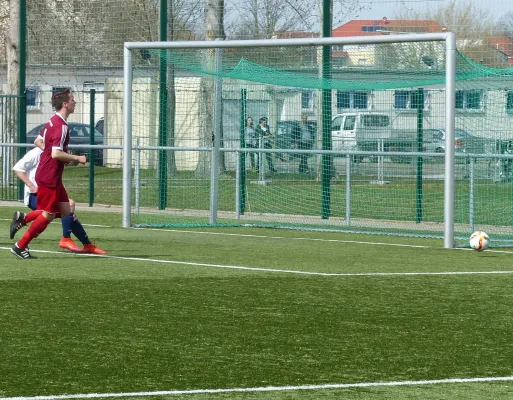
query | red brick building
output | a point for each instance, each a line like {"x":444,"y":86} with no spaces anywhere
{"x":368,"y":27}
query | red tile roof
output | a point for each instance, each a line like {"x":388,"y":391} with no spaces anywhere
{"x":369,"y":27}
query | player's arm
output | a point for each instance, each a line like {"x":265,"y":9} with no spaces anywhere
{"x":23,"y":167}
{"x":61,"y":155}
{"x":56,"y":143}
{"x":25,"y":179}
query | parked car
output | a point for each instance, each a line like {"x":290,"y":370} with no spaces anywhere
{"x":79,"y":135}
{"x":433,"y":141}
{"x":287,"y":136}
{"x":360,"y":131}
{"x":464,"y":142}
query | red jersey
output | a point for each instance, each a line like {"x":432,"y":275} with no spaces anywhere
{"x":55,"y":136}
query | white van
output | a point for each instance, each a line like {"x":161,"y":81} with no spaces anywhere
{"x":362,"y":131}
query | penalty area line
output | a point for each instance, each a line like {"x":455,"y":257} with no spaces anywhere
{"x":265,"y":389}
{"x":413,"y":246}
{"x":273,"y":270}
{"x":285,"y":237}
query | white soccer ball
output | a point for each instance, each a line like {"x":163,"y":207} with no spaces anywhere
{"x":479,"y":241}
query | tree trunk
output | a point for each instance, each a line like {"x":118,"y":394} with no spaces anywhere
{"x":171,"y":94}
{"x":13,"y":66}
{"x":320,"y":97}
{"x":214,"y":29}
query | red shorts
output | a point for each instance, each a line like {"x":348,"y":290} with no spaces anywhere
{"x":50,"y":199}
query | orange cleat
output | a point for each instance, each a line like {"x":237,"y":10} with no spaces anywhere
{"x":92,"y":249}
{"x":68,"y":243}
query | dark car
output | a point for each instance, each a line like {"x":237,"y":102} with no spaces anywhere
{"x":288,"y":135}
{"x":79,"y":135}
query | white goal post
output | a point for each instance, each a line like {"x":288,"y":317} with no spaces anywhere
{"x":450,"y":78}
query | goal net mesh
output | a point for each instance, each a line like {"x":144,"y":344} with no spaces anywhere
{"x":377,"y":167}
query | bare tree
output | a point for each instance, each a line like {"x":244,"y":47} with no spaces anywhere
{"x":261,"y":19}
{"x":95,"y":30}
{"x":4,"y":24}
{"x":13,"y":66}
{"x":12,"y":48}
{"x":505,"y":25}
{"x":471,"y":24}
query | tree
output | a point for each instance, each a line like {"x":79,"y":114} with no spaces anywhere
{"x":505,"y":25}
{"x":261,"y":19}
{"x":12,"y":47}
{"x":13,"y":65}
{"x":4,"y":26}
{"x":214,"y":29}
{"x":471,"y":24}
{"x":95,"y":30}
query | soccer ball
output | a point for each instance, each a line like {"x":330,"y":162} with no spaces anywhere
{"x":479,"y":241}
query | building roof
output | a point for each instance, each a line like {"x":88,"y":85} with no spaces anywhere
{"x":369,"y":27}
{"x":504,"y":45}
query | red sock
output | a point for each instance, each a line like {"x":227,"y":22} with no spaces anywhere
{"x":31,"y":216}
{"x":38,"y":226}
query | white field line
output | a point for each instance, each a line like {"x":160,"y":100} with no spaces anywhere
{"x":263,"y":236}
{"x":272,"y":270}
{"x":264,"y":389}
{"x":289,"y":238}
{"x":320,"y":240}
{"x":285,"y":237}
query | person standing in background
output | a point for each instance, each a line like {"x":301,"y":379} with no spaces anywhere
{"x":305,"y":142}
{"x":263,"y":131}
{"x":251,"y":139}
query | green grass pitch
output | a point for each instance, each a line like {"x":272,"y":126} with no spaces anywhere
{"x":248,"y":313}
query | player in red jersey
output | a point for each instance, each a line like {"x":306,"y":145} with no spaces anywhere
{"x":52,"y":198}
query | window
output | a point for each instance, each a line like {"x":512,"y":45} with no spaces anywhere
{"x":360,"y":100}
{"x":408,"y":99}
{"x":349,"y":122}
{"x":469,"y":99}
{"x":58,"y":89}
{"x":375,"y":121}
{"x":401,"y":99}
{"x":374,"y":28}
{"x":306,"y":99}
{"x":352,"y":99}
{"x":338,"y":62}
{"x":509,"y":102}
{"x":336,"y":123}
{"x":32,"y":96}
{"x":343,"y":99}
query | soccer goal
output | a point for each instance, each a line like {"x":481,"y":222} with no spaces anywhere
{"x":353,"y":134}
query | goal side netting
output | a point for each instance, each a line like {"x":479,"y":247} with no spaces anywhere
{"x":396,"y":134}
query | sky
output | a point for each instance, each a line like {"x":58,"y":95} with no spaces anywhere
{"x":377,"y":9}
